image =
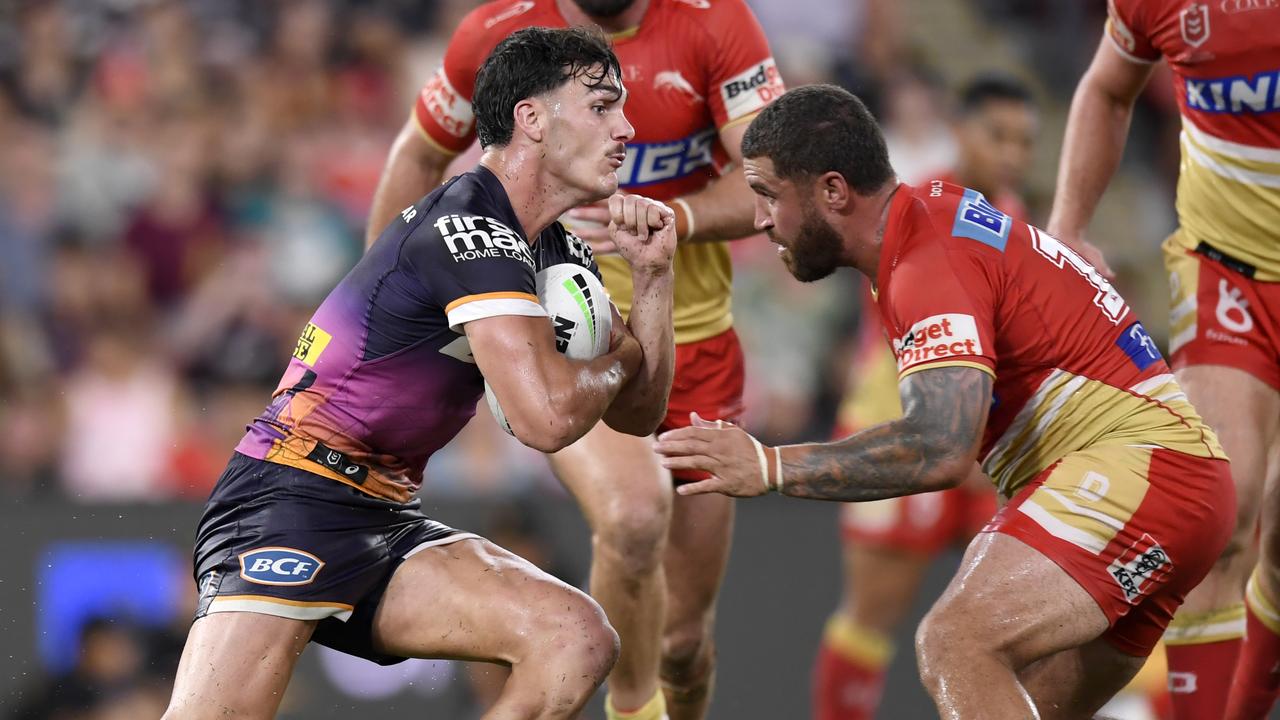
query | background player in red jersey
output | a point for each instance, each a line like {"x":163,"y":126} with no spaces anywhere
{"x":697,"y":71}
{"x":890,"y":543}
{"x":1009,"y":347}
{"x":1224,"y":266}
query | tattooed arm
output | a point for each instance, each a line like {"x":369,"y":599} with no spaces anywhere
{"x":931,"y":447}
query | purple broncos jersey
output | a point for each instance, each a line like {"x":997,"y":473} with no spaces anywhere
{"x":382,"y":376}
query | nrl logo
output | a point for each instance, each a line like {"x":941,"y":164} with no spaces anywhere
{"x":1195,"y":24}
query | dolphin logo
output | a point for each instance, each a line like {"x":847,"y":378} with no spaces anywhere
{"x":674,"y":80}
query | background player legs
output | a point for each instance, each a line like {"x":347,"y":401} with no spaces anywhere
{"x":472,"y":600}
{"x":1257,"y":679}
{"x":236,"y":665}
{"x":1075,"y":683}
{"x":1204,"y":638}
{"x":626,"y":497}
{"x":1007,"y":607}
{"x":880,"y":583}
{"x":697,"y":554}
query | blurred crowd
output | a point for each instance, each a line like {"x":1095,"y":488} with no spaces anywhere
{"x":182,"y":181}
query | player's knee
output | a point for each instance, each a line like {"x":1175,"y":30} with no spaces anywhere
{"x":945,"y":638}
{"x":634,"y":536}
{"x":578,"y":637}
{"x":688,"y":655}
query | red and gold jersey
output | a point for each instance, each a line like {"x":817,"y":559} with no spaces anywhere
{"x":873,"y":388}
{"x":1225,"y":57}
{"x":692,"y":67}
{"x":962,"y":283}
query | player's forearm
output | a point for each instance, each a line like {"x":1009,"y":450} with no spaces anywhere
{"x":884,"y":461}
{"x":1092,"y":147}
{"x":931,"y":447}
{"x":413,"y":169}
{"x":642,"y":404}
{"x":723,"y":210}
{"x":577,"y":395}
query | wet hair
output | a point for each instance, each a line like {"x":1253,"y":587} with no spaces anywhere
{"x":993,"y":86}
{"x":534,"y":61}
{"x":816,"y":129}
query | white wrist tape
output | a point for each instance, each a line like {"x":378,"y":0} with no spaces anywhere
{"x":688,"y":218}
{"x":777,"y":464}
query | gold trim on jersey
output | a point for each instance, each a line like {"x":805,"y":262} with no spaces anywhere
{"x":946,"y":363}
{"x":1070,"y":412}
{"x":1229,"y":197}
{"x":422,"y":133}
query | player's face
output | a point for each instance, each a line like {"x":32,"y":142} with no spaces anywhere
{"x":603,"y":8}
{"x":996,"y":144}
{"x":788,"y":213}
{"x":587,"y":134}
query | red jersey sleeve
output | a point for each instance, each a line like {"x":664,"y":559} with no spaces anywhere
{"x":1128,"y":32}
{"x":742,"y":77}
{"x":939,"y":311}
{"x":443,"y":108}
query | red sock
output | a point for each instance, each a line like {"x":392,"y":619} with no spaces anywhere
{"x":848,"y":678}
{"x":1199,"y":678}
{"x":1257,"y":677}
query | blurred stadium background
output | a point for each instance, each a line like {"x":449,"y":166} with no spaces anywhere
{"x":181,"y":181}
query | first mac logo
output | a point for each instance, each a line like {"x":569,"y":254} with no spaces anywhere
{"x":279,"y":566}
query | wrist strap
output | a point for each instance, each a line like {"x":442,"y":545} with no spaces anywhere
{"x":777,"y":469}
{"x":688,"y":218}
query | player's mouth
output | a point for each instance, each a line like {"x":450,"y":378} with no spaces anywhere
{"x":617,"y":158}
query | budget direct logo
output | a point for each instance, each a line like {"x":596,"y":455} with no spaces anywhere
{"x":279,"y":566}
{"x":937,"y":337}
{"x":752,"y":89}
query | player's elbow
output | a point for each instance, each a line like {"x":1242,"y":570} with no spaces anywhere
{"x":544,"y":434}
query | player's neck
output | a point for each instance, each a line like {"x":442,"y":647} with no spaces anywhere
{"x":537,"y":198}
{"x":865,"y":236}
{"x":623,"y":21}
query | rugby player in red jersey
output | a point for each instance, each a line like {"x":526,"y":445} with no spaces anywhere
{"x":696,"y":71}
{"x":1224,"y":270}
{"x":313,"y":532}
{"x":889,"y":544}
{"x":1010,"y":348}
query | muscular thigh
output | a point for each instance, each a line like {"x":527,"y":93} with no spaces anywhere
{"x":1075,"y":683}
{"x":1245,"y":413}
{"x":473,"y":600}
{"x":1011,"y":598}
{"x":237,"y":664}
{"x":612,"y":474}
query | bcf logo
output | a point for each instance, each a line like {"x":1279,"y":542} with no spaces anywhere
{"x":279,"y":566}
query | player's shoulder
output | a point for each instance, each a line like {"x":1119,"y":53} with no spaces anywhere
{"x":710,"y":15}
{"x":465,"y":220}
{"x":957,"y":218}
{"x":486,"y":25}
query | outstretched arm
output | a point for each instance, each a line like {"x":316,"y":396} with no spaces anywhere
{"x":933,"y":446}
{"x":1095,"y":137}
{"x":414,"y":168}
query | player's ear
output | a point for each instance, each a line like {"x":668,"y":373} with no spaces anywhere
{"x":530,"y":117}
{"x":834,"y":192}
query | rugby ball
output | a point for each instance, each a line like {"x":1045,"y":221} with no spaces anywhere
{"x":581,"y":318}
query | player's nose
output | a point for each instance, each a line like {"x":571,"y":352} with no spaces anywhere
{"x":762,"y":220}
{"x":625,"y":130}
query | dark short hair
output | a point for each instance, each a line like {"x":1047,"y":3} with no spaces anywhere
{"x":531,"y":62}
{"x":820,"y":128}
{"x":993,"y":86}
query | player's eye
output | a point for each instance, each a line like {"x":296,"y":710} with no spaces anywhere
{"x":599,"y":108}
